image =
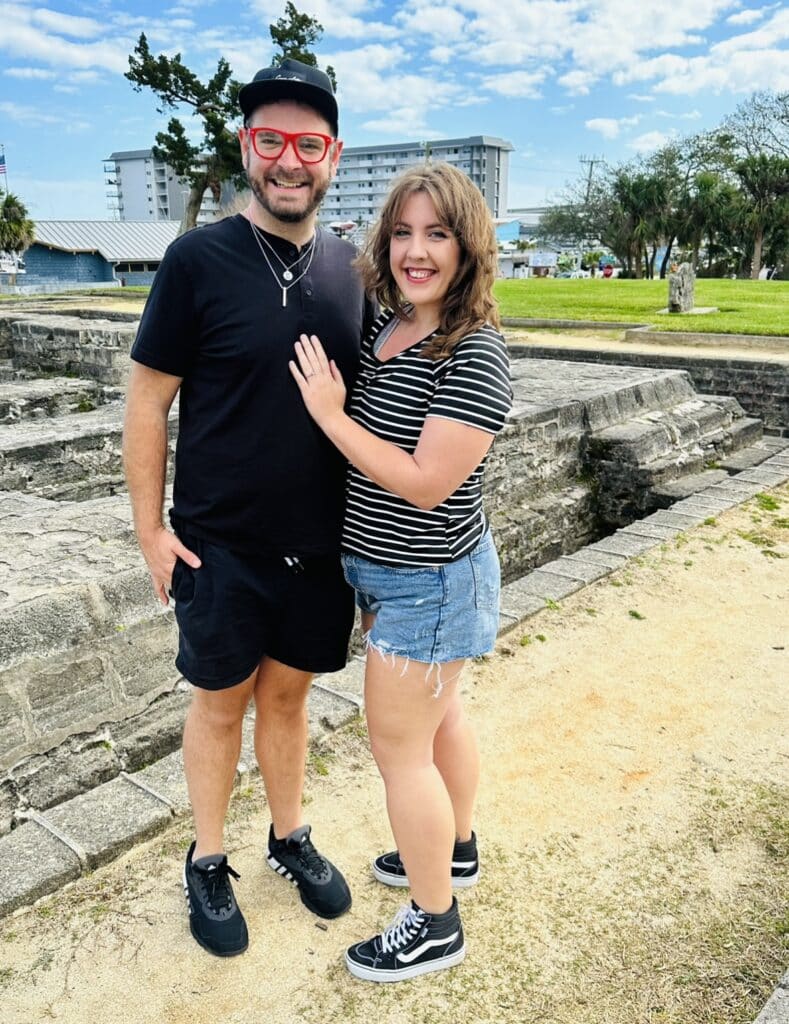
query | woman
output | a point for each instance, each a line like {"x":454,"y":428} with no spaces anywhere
{"x":432,"y":392}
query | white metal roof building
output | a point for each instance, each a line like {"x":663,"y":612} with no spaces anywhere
{"x":114,"y":240}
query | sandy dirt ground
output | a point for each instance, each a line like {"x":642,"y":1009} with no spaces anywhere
{"x":632,"y":823}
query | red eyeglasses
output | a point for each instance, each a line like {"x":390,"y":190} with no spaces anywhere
{"x":270,"y":144}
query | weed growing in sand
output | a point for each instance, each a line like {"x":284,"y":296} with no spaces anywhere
{"x":767,"y":502}
{"x":710,"y":521}
{"x":636,"y":615}
{"x":550,"y":603}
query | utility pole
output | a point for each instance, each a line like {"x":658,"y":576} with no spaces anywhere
{"x":591,"y":161}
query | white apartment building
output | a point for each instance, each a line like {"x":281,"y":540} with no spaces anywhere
{"x":140,"y":187}
{"x":365,"y":173}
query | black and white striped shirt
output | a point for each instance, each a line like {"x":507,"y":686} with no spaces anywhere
{"x":392,"y":399}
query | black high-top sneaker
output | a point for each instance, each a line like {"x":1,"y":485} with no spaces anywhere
{"x":321,"y":886}
{"x":214,"y":918}
{"x":414,"y":943}
{"x":389,"y":869}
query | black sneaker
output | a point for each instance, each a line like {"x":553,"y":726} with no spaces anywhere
{"x":214,"y":918}
{"x":389,"y":869}
{"x":321,"y":886}
{"x":415,"y":943}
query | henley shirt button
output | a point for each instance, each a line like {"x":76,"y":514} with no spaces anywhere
{"x":309,"y":291}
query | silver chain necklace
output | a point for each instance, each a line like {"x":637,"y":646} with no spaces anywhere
{"x":287,"y":273}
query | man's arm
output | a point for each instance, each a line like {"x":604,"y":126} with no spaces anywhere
{"x":149,"y":397}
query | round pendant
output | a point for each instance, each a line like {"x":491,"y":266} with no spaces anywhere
{"x":286,"y":275}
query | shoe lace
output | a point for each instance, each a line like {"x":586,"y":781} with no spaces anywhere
{"x":311,"y":859}
{"x":406,"y":924}
{"x":219,"y":894}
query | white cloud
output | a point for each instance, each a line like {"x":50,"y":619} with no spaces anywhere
{"x":650,"y":141}
{"x":341,"y":19}
{"x":745,"y":17}
{"x":403,"y":122}
{"x":436,"y":20}
{"x":689,"y":115}
{"x":640,"y":98}
{"x":28,"y":115}
{"x":577,"y":82}
{"x":441,"y":54}
{"x":610,"y":127}
{"x":38,"y":73}
{"x":67,"y":24}
{"x":517,"y":84}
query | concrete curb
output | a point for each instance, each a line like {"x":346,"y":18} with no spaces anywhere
{"x":66,"y":841}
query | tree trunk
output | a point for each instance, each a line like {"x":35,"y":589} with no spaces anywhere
{"x":666,"y":258}
{"x":756,"y":262}
{"x":193,"y":203}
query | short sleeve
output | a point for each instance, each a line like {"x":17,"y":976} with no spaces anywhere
{"x":168,"y":333}
{"x":475,"y":387}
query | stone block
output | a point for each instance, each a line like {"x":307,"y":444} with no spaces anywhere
{"x":646,"y":528}
{"x":776,"y":1009}
{"x":348,"y":682}
{"x":328,"y":711}
{"x":44,"y":780}
{"x":704,"y":501}
{"x":518,"y":603}
{"x":33,"y":863}
{"x":575,"y":568}
{"x":153,"y":733}
{"x":735,"y":488}
{"x":51,"y":623}
{"x":692,"y":483}
{"x":166,"y":777}
{"x":764,"y":475}
{"x":14,"y":729}
{"x":129,"y":595}
{"x":541,"y":585}
{"x":143,"y":656}
{"x":622,"y":543}
{"x":674,"y":520}
{"x":110,"y":819}
{"x":507,"y":623}
{"x":610,"y":561}
{"x":62,"y":696}
{"x":8,"y":805}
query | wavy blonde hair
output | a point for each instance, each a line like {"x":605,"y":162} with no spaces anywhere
{"x":459,"y":206}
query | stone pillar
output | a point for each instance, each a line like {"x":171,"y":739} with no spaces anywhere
{"x":681,"y":280}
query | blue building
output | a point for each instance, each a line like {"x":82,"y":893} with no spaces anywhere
{"x":76,"y":253}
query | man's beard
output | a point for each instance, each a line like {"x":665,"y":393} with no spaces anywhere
{"x":288,"y":216}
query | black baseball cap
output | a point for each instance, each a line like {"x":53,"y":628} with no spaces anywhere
{"x":291,"y":80}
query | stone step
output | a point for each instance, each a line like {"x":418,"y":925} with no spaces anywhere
{"x":698,"y":423}
{"x":23,"y":398}
{"x":666,"y":494}
{"x":754,"y":454}
{"x":61,"y":343}
{"x":69,"y":458}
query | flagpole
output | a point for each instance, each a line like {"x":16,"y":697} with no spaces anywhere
{"x":5,"y":168}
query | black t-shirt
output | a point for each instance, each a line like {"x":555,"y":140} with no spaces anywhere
{"x":252,"y":470}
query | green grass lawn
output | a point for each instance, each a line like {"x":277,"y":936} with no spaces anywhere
{"x":746,"y":307}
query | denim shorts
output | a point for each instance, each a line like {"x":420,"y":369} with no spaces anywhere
{"x":433,"y":613}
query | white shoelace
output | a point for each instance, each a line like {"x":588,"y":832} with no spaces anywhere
{"x":405,"y":926}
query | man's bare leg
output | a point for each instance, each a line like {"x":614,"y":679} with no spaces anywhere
{"x":281,"y":739}
{"x":212,"y":743}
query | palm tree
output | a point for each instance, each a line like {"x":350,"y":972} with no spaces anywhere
{"x":764,"y":183}
{"x":16,"y":230}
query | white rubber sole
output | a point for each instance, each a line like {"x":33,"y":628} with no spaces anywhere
{"x":401,"y":881}
{"x":368,"y":974}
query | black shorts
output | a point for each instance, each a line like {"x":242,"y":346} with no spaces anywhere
{"x":238,"y":608}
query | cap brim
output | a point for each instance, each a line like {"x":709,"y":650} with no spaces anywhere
{"x":256,"y":94}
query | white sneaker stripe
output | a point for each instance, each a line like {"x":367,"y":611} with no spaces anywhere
{"x":407,"y":958}
{"x":464,"y":863}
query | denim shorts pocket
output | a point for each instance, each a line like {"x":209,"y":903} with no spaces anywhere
{"x":487,"y":577}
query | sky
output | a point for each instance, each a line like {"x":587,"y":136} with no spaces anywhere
{"x":562,"y":80}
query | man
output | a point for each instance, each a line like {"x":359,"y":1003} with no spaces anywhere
{"x":253,"y":562}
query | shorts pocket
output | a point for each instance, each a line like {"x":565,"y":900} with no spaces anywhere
{"x":487,"y":578}
{"x":182,"y":584}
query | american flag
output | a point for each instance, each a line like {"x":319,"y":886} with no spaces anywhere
{"x":2,"y":163}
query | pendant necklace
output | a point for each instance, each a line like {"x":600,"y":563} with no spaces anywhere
{"x":287,"y":272}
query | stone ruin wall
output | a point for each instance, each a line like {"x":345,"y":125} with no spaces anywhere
{"x":87,"y":683}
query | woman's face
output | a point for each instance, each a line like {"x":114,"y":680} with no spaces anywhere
{"x":424,"y":255}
